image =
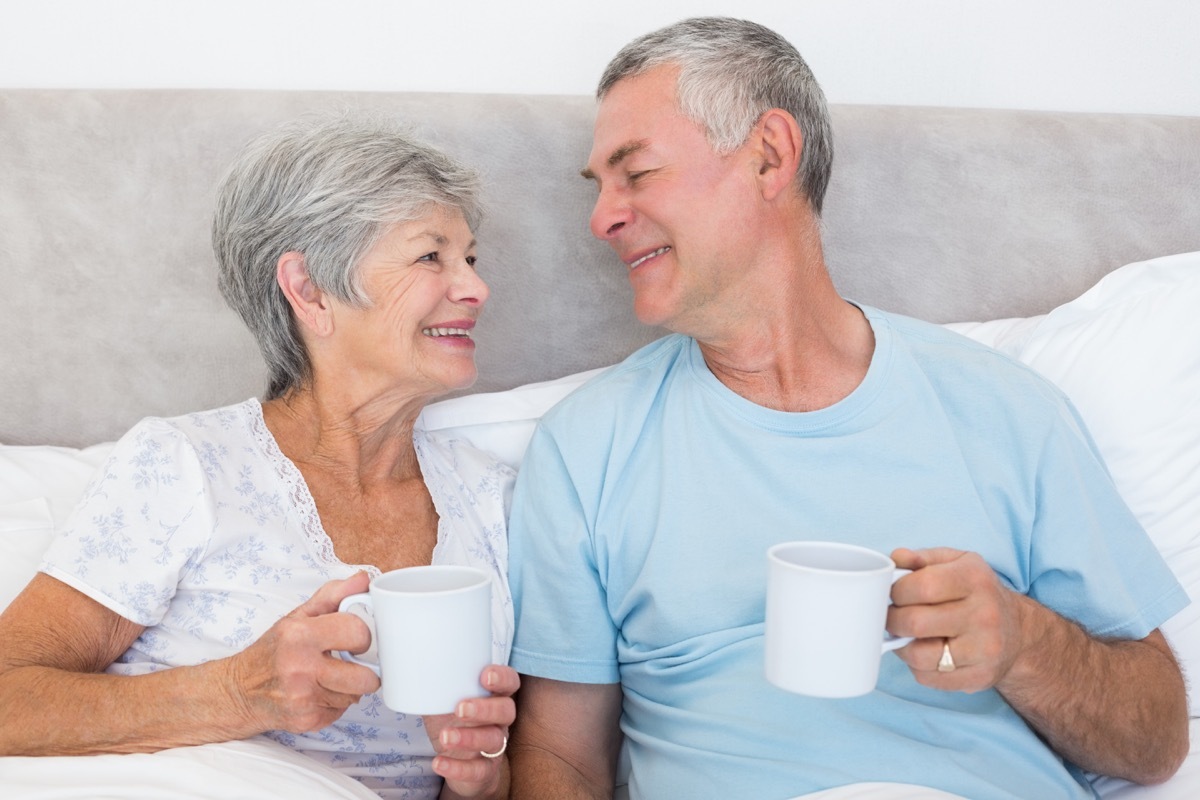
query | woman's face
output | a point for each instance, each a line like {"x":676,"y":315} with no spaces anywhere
{"x":415,"y":335}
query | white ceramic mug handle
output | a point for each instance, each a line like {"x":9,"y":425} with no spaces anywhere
{"x":895,"y":642}
{"x":360,"y":606}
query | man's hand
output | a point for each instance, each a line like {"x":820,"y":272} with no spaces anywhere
{"x":1112,"y":706}
{"x":954,"y":598}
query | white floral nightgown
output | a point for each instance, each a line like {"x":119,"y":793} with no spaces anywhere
{"x":199,"y":528}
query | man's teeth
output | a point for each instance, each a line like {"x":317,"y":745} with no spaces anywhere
{"x":435,"y":332}
{"x":657,"y":252}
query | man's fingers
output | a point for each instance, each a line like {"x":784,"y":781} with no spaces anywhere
{"x":945,"y":575}
{"x":945,"y":620}
{"x":916,"y":559}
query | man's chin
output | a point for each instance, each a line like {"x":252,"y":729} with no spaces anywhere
{"x":652,"y":313}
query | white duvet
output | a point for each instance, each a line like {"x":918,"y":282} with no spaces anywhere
{"x":253,"y":768}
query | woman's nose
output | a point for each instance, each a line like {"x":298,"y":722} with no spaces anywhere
{"x":468,"y":287}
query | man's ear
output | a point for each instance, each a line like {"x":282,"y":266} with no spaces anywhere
{"x":309,"y":304}
{"x":780,"y":145}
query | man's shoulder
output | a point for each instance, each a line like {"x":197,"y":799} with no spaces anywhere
{"x":966,"y":372}
{"x":636,"y":377}
{"x":939,"y":346}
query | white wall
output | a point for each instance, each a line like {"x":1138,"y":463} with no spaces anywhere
{"x":1085,"y":55}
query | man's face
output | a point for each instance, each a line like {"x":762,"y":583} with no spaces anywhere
{"x":675,"y":213}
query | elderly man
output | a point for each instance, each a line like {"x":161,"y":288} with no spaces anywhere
{"x":778,"y":410}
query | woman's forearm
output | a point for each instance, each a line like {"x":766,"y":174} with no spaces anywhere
{"x":49,"y":711}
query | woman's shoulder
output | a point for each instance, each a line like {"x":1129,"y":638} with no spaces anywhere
{"x":446,"y":452}
{"x":209,"y":439}
{"x":238,"y":417}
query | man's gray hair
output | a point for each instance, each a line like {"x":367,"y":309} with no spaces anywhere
{"x":327,"y":187}
{"x":731,"y":72}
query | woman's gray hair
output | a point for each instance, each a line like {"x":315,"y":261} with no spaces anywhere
{"x":731,"y":72}
{"x":329,"y":188}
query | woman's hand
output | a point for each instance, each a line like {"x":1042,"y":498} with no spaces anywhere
{"x":288,"y":680}
{"x":479,"y":725}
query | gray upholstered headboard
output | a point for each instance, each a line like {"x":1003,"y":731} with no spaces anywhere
{"x":111,"y":313}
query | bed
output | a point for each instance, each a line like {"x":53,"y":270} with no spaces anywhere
{"x":1069,"y":241}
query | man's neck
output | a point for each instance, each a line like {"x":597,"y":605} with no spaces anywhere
{"x":808,"y":362}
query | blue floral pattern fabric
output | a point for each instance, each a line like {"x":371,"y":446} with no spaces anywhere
{"x":201,"y":530}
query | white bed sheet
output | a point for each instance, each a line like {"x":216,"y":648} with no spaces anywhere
{"x":254,"y":768}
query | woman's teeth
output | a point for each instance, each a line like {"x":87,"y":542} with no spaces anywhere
{"x":435,"y":332}
{"x":657,"y":252}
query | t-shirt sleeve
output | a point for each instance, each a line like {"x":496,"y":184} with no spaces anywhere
{"x":564,"y":630}
{"x":1090,"y":558}
{"x":142,"y":522}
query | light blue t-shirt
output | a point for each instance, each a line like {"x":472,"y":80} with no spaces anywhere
{"x":647,"y":501}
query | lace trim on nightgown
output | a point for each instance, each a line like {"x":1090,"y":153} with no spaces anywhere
{"x":298,"y":493}
{"x":436,"y":489}
{"x":306,"y":507}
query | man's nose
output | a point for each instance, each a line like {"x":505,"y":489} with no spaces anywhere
{"x":609,"y":215}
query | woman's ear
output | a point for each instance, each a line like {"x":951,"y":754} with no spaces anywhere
{"x":309,"y":304}
{"x":780,"y":145}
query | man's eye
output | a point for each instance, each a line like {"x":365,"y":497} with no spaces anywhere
{"x":471,"y":261}
{"x":634,"y":176}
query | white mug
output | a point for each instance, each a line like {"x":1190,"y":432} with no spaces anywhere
{"x":826,"y":611}
{"x":431,"y":635}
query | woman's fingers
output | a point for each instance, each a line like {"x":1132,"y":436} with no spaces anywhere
{"x":326,"y":599}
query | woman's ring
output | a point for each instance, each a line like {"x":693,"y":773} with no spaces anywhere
{"x":947,"y":662}
{"x":498,"y":753}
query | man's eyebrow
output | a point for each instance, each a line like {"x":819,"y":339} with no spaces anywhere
{"x":620,"y":154}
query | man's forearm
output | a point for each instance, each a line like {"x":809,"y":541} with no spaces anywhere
{"x":1114,"y":707}
{"x":540,"y":775}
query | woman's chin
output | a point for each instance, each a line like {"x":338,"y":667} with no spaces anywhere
{"x":462,"y":380}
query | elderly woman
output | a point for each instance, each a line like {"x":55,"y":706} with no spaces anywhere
{"x":193,"y":597}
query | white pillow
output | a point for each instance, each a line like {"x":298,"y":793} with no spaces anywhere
{"x":39,"y":487}
{"x":59,"y":474}
{"x":1127,"y":353}
{"x":1006,"y":335}
{"x":25,"y":530}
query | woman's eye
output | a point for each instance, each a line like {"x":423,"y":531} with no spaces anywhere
{"x":471,"y":261}
{"x":429,"y":257}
